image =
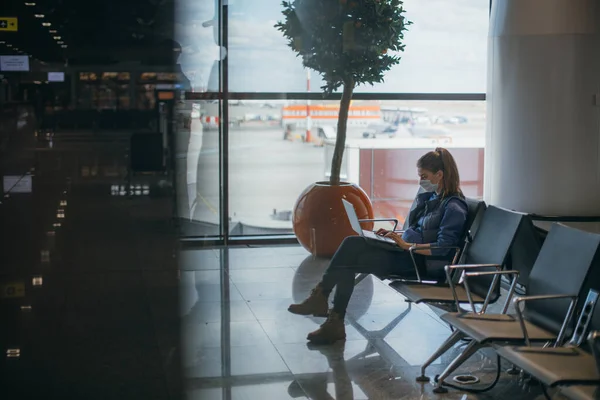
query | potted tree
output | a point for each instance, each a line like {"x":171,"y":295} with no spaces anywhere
{"x":349,"y":43}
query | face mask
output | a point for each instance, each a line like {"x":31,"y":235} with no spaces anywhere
{"x":428,"y":186}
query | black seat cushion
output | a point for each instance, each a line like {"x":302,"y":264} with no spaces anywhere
{"x":553,"y":366}
{"x":440,"y":293}
{"x":581,"y":392}
{"x":495,"y":327}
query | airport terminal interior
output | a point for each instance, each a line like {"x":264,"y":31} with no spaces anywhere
{"x":169,"y":191}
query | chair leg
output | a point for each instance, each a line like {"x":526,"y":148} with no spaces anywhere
{"x":457,"y":362}
{"x":451,"y":341}
{"x":513,"y":370}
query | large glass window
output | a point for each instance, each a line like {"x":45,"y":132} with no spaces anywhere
{"x":271,"y":162}
{"x":196,"y":27}
{"x":197,"y":160}
{"x":253,"y":166}
{"x":445,"y":50}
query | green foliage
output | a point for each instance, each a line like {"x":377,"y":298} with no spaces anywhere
{"x":346,"y":41}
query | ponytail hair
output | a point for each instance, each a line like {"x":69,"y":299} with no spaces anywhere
{"x":441,"y":160}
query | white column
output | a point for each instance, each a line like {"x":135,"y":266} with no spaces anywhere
{"x":543,"y":130}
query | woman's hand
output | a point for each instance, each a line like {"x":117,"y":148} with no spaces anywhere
{"x":398,"y":239}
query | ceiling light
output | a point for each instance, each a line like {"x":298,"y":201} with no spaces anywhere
{"x":57,"y":38}
{"x":52,"y":31}
{"x":9,"y":45}
{"x":2,"y":42}
{"x":46,"y":24}
{"x":30,"y":4}
{"x":64,"y":46}
{"x":60,"y":42}
{"x":39,"y":15}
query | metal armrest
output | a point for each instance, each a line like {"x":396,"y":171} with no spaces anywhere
{"x":488,"y":297}
{"x":470,"y":266}
{"x":414,"y":248}
{"x":563,"y":328}
{"x":456,"y":249}
{"x":462,"y":267}
{"x":394,"y":220}
{"x":411,"y":251}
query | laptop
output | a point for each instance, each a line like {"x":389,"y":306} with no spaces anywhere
{"x":351,"y":212}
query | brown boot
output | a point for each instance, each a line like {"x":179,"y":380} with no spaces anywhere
{"x":330,"y":331}
{"x":315,"y":304}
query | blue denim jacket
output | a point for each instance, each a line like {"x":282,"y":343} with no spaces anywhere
{"x":452,"y":218}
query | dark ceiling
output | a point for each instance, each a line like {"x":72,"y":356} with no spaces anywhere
{"x":91,"y":31}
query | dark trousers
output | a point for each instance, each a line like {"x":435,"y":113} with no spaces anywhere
{"x":357,"y":255}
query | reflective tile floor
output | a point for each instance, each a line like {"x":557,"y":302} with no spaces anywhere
{"x":239,"y":341}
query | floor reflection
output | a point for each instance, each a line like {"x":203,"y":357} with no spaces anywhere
{"x":341,"y":379}
{"x":239,"y":340}
{"x":310,"y":272}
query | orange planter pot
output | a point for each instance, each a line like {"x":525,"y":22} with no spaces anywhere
{"x":320,"y":220}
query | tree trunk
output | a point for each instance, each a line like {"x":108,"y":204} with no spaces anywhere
{"x":340,"y":140}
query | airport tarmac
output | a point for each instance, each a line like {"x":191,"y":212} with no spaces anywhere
{"x":266,"y":173}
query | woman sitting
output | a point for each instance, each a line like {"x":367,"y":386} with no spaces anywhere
{"x":437,"y":220}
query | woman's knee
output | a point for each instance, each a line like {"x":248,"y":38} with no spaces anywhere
{"x":354,"y":241}
{"x":352,"y":244}
{"x":350,"y":247}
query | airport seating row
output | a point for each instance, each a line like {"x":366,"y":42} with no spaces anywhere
{"x":545,"y":331}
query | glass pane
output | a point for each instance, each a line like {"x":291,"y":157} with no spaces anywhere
{"x":271,"y":164}
{"x":197,"y":166}
{"x":196,"y":24}
{"x":198,"y":157}
{"x":446,"y":50}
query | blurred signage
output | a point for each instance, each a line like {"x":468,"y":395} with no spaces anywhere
{"x":168,"y":86}
{"x":56,"y":76}
{"x":17,"y":184}
{"x":12,"y":290}
{"x":9,"y":24}
{"x":14,"y":63}
{"x":166,"y":95}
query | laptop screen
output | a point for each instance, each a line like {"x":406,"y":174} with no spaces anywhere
{"x":352,"y":217}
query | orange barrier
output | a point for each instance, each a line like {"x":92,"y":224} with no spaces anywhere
{"x":329,"y":112}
